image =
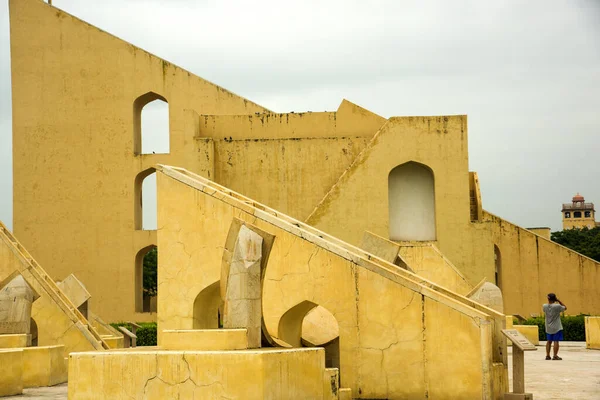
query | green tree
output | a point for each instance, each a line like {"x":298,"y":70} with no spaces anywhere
{"x":149,"y":271}
{"x":585,"y":241}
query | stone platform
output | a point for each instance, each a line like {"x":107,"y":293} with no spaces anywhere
{"x":576,"y":377}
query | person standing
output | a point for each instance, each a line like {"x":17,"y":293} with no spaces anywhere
{"x":554,"y":328}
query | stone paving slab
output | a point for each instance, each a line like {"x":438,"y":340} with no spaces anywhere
{"x":58,"y":392}
{"x":575,"y":377}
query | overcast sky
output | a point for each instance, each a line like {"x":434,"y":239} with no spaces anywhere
{"x":527,"y":74}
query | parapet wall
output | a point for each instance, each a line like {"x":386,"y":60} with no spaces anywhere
{"x":533,"y":266}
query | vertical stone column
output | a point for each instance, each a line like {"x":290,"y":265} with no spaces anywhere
{"x":243,"y":306}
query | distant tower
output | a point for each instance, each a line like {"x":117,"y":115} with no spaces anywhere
{"x":578,"y":214}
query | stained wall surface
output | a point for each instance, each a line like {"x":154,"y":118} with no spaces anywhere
{"x":592,"y":333}
{"x":533,"y":266}
{"x":77,"y":93}
{"x":362,"y":192}
{"x":75,"y":190}
{"x":272,"y":374}
{"x":389,"y":358}
{"x":530,"y":265}
{"x":425,"y":260}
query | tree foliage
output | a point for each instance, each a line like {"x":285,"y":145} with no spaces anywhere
{"x":150,"y":272}
{"x":585,"y":241}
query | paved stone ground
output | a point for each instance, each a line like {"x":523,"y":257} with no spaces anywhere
{"x":58,"y":392}
{"x":576,"y":377}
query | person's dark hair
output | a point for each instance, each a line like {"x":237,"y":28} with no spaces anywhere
{"x":551,"y":297}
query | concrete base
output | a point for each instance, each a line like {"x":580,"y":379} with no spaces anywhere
{"x":518,"y":396}
{"x":44,"y":366}
{"x":11,"y":377}
{"x":277,"y":374}
{"x":14,"y":340}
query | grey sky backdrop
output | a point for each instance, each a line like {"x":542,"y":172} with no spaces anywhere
{"x":527,"y":73}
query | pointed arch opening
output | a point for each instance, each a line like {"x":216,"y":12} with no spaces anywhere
{"x":411,"y":196}
{"x":151,"y":124}
{"x":146,"y":279}
{"x":145,"y":212}
{"x":207,"y":307}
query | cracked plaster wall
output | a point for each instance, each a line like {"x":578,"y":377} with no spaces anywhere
{"x":427,"y":261}
{"x":252,"y":375}
{"x":289,"y":175}
{"x":73,"y":88}
{"x":533,"y":266}
{"x":387,"y":330}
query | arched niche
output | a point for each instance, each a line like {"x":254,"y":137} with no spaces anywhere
{"x":411,"y":196}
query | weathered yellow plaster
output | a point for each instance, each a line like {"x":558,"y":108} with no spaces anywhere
{"x":531,"y":332}
{"x":113,"y":342}
{"x":329,"y":168}
{"x":14,"y":340}
{"x":425,"y":260}
{"x":244,"y":374}
{"x":44,"y":366}
{"x":592,"y":333}
{"x":58,"y":320}
{"x":204,"y":339}
{"x":379,"y":356}
{"x":533,"y":266}
{"x":11,"y":378}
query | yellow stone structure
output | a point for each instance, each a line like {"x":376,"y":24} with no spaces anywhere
{"x":344,"y":172}
{"x":579,"y":214}
{"x":13,"y":340}
{"x":531,"y":332}
{"x":389,"y":319}
{"x":361,"y":235}
{"x":592,"y":332}
{"x":56,"y":318}
{"x":11,"y":378}
{"x":544,"y":232}
{"x":44,"y":366}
